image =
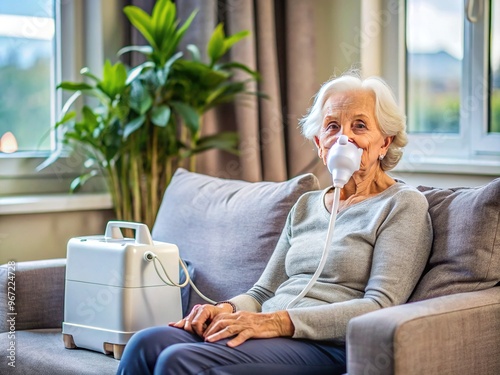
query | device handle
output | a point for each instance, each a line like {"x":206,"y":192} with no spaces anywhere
{"x":142,"y":235}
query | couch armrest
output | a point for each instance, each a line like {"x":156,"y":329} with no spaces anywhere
{"x":39,"y":294}
{"x":455,"y":334}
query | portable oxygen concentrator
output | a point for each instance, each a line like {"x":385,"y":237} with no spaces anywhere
{"x":113,"y":289}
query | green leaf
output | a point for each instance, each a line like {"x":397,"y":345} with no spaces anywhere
{"x":160,"y":115}
{"x":224,"y":93}
{"x":201,"y":73}
{"x":160,"y":13}
{"x":119,"y":78}
{"x":189,"y":115}
{"x":99,"y":94}
{"x":137,"y":71}
{"x":230,"y":65}
{"x":67,"y":116}
{"x":74,"y":86}
{"x":195,"y":52}
{"x":258,"y":94}
{"x":162,"y":19}
{"x":157,"y":57}
{"x":113,"y":79}
{"x":142,"y":22}
{"x":106,"y":85}
{"x":227,"y":141}
{"x":89,"y":118}
{"x":81,"y":180}
{"x":235,"y":38}
{"x":215,"y":48}
{"x":161,"y":77}
{"x":133,"y":125}
{"x":212,"y":97}
{"x":170,"y":62}
{"x":140,"y":99}
{"x":145,"y":50}
{"x":86,"y":72}
{"x":219,"y":44}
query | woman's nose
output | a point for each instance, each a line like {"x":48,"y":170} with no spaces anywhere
{"x":349,"y":134}
{"x":330,"y":139}
{"x":346,"y":130}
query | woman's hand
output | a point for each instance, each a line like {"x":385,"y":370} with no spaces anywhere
{"x":200,"y":317}
{"x":245,"y":325}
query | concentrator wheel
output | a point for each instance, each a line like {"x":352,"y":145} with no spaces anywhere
{"x":69,"y":343}
{"x":116,"y":349}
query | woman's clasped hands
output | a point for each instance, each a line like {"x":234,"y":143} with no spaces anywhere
{"x":215,"y":323}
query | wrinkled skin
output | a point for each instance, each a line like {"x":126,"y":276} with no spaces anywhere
{"x":215,"y":323}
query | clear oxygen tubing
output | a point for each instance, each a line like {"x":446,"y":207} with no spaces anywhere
{"x":170,"y":282}
{"x":322,"y":262}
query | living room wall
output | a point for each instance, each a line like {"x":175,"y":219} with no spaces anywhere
{"x":45,"y":235}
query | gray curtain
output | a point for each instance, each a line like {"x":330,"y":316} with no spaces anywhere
{"x":281,"y":47}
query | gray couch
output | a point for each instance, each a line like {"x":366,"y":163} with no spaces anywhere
{"x":227,"y":229}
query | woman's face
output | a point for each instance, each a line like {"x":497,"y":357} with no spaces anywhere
{"x":352,"y":113}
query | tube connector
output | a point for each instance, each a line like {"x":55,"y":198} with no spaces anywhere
{"x":149,"y":256}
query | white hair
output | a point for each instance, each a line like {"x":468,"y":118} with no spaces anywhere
{"x":389,"y":117}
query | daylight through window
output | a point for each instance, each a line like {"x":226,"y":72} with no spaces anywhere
{"x":434,"y":33}
{"x":453,"y":78}
{"x":27,"y":60}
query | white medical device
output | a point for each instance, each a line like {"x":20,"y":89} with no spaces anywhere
{"x":113,"y":291}
{"x":343,"y":159}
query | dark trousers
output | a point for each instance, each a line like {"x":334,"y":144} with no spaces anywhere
{"x":173,"y":351}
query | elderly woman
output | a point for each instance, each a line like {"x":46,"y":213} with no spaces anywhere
{"x":380,"y":246}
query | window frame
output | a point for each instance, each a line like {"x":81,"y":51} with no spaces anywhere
{"x":479,"y":64}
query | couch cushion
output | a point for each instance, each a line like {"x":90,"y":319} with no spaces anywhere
{"x":465,"y":252}
{"x":227,"y":229}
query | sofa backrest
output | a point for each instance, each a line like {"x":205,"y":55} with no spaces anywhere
{"x":465,"y":253}
{"x":36,"y":292}
{"x":226,"y":229}
{"x":229,"y":228}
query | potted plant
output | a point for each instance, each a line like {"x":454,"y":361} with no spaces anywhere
{"x":148,"y":118}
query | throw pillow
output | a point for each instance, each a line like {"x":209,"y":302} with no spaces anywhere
{"x":465,"y":252}
{"x":227,"y":229}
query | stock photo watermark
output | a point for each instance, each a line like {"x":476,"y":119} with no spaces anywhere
{"x":99,"y":300}
{"x":11,"y":314}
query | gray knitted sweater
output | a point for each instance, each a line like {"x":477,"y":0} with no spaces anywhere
{"x":380,"y":247}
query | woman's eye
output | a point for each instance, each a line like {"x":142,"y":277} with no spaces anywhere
{"x":360,"y":125}
{"x":332,"y":126}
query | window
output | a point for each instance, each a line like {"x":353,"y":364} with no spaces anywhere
{"x":29,"y":71}
{"x":69,"y":35}
{"x":452,"y":79}
{"x":27,"y":75}
{"x":433,"y":63}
